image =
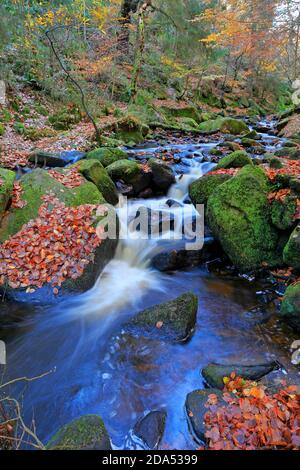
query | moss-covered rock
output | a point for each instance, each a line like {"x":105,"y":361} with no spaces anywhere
{"x":106,"y":155}
{"x":239,"y":216}
{"x":201,"y":189}
{"x":131,"y":173}
{"x":2,"y":129}
{"x":247,"y":142}
{"x":225,"y":125}
{"x":85,"y":433}
{"x":236,"y":159}
{"x":283,"y":212}
{"x":35,"y":185}
{"x":274,"y":162}
{"x":214,"y":374}
{"x":130,"y":130}
{"x":7,"y":179}
{"x":291,"y":252}
{"x":284,"y":152}
{"x":93,"y":171}
{"x":290,"y":307}
{"x":172,"y":109}
{"x":172,"y":321}
{"x":162,"y":175}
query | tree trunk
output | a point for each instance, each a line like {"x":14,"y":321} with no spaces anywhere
{"x":128,"y":8}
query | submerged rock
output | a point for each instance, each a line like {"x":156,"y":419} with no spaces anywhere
{"x":172,"y":321}
{"x":236,"y":159}
{"x":196,"y":410}
{"x":239,"y":216}
{"x":290,"y":307}
{"x":150,"y":429}
{"x":7,"y":179}
{"x":215,"y":373}
{"x":85,"y":433}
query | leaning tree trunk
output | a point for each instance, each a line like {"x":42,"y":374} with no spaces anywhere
{"x":140,"y":46}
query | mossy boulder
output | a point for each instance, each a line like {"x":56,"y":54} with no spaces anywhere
{"x":291,"y":252}
{"x":7,"y":179}
{"x":172,"y":321}
{"x":2,"y":129}
{"x":131,"y":173}
{"x":236,"y":159}
{"x":214,"y":374}
{"x":201,"y":189}
{"x":283,"y":212}
{"x":106,"y":156}
{"x":247,"y":142}
{"x":35,"y":185}
{"x":130,"y":130}
{"x":239,"y":216}
{"x":224,"y":125}
{"x":85,"y":433}
{"x":162,"y":175}
{"x":93,"y":171}
{"x":173,"y":109}
{"x":290,"y":307}
{"x":274,"y":163}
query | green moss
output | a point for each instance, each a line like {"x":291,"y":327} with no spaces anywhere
{"x":85,"y":433}
{"x":93,"y":171}
{"x":178,"y":318}
{"x":290,"y":307}
{"x":5,"y":115}
{"x":225,"y":125}
{"x":130,"y":129}
{"x":283,"y":212}
{"x":106,"y":155}
{"x":239,"y":216}
{"x":201,"y":189}
{"x":2,"y":130}
{"x":126,"y":170}
{"x":274,"y":163}
{"x":64,"y":119}
{"x":236,"y":159}
{"x":291,"y":252}
{"x":247,"y":142}
{"x":34,"y":134}
{"x":19,"y":127}
{"x":7,"y":179}
{"x":35,"y":185}
{"x":186,"y":112}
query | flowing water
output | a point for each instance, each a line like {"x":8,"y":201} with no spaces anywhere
{"x":94,"y":367}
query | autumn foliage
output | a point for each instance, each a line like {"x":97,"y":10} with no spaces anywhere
{"x":252,"y":419}
{"x":56,"y":246}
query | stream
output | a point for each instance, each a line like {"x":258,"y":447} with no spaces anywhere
{"x":94,"y":367}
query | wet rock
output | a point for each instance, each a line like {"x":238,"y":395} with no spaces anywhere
{"x":233,"y":146}
{"x":39,"y":157}
{"x":153,"y":222}
{"x":236,"y":159}
{"x":196,"y":410}
{"x":162,"y":175}
{"x":7,"y":179}
{"x":239,"y":217}
{"x":106,"y":156}
{"x":85,"y":433}
{"x":125,"y":189}
{"x":93,"y":171}
{"x":172,"y":321}
{"x":290,"y":307}
{"x":214,"y":374}
{"x":150,"y":429}
{"x":291,"y":252}
{"x":131,"y":173}
{"x":201,"y":189}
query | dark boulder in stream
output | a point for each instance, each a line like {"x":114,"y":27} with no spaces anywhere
{"x":290,"y":307}
{"x":172,"y":321}
{"x":150,"y":429}
{"x":214,"y":373}
{"x":85,"y":433}
{"x":196,"y":409}
{"x":162,"y":175}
